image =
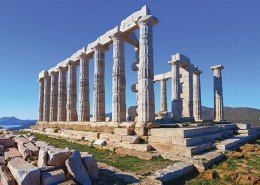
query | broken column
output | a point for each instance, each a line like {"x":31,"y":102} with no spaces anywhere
{"x":99,"y":84}
{"x":54,"y":96}
{"x":197,"y":95}
{"x":84,"y":106}
{"x":118,"y":79}
{"x":72,"y":92}
{"x":146,"y":109}
{"x":163,"y":95}
{"x":218,"y":93}
{"x":62,"y":94}
{"x":41,"y":98}
{"x":46,"y":100}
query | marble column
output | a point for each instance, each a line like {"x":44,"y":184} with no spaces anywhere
{"x":99,"y":84}
{"x":118,"y":79}
{"x":62,"y":94}
{"x":54,"y":96}
{"x":41,"y":98}
{"x":146,"y":109}
{"x":72,"y":92}
{"x":175,"y":90}
{"x":218,"y":93}
{"x":84,"y":105}
{"x":163,"y":95}
{"x":46,"y":100}
{"x":197,"y":96}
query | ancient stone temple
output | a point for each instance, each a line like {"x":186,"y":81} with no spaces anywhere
{"x":58,"y":94}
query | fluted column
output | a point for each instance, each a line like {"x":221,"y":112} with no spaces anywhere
{"x":176,"y":99}
{"x":146,"y":109}
{"x":99,"y":84}
{"x":118,"y":79}
{"x":54,"y":96}
{"x":41,"y":98}
{"x":62,"y":94}
{"x":197,"y":96}
{"x":46,"y":100}
{"x":218,"y":93}
{"x":84,"y":106}
{"x":72,"y":93}
{"x":163,"y":95}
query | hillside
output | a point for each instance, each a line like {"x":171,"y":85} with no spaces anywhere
{"x":239,"y":114}
{"x":15,"y":121}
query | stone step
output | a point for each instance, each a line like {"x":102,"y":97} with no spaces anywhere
{"x":55,"y":176}
{"x":235,"y":141}
{"x":185,"y":132}
{"x":173,"y":172}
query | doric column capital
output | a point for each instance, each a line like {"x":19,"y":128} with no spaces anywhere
{"x":72,"y":63}
{"x":53,"y":73}
{"x":217,"y":67}
{"x":84,"y":57}
{"x":147,"y":19}
{"x":62,"y":69}
{"x":118,"y":35}
{"x":197,"y":72}
{"x":45,"y":74}
{"x":174,"y":62}
{"x":99,"y":47}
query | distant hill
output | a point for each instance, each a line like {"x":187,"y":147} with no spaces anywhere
{"x":238,"y":114}
{"x":15,"y":121}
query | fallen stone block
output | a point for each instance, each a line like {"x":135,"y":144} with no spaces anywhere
{"x":34,"y":149}
{"x":43,"y":157}
{"x":26,"y":153}
{"x":52,"y":177}
{"x":57,"y":157}
{"x":6,"y":142}
{"x":32,"y":139}
{"x":40,"y":144}
{"x":140,"y":147}
{"x":2,"y":149}
{"x":90,"y":164}
{"x":21,"y":140}
{"x":11,"y":153}
{"x":243,"y":126}
{"x":23,"y":172}
{"x":6,"y":176}
{"x":76,"y":168}
{"x":99,"y":142}
{"x":130,"y":139}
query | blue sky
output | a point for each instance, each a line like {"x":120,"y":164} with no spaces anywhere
{"x":36,"y":35}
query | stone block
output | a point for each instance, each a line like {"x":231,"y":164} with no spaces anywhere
{"x":76,"y":168}
{"x":2,"y":161}
{"x":104,"y":136}
{"x":91,"y":165}
{"x":43,"y":157}
{"x":11,"y":153}
{"x":32,"y":139}
{"x":52,"y":177}
{"x":32,"y":148}
{"x":6,"y":176}
{"x":23,"y":172}
{"x":2,"y":149}
{"x":115,"y":137}
{"x":40,"y":144}
{"x":57,"y":157}
{"x":163,"y":140}
{"x":21,"y":140}
{"x":162,"y":148}
{"x":243,"y":126}
{"x":130,"y":139}
{"x":123,"y":131}
{"x":6,"y":142}
{"x":26,"y":153}
{"x":100,"y":142}
{"x":140,"y":147}
{"x":68,"y":182}
{"x":127,"y":125}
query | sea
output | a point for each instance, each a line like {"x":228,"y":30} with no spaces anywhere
{"x":9,"y":126}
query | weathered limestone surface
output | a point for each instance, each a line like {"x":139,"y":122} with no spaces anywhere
{"x":41,"y":99}
{"x":118,"y":79}
{"x":84,"y":105}
{"x":6,"y":142}
{"x":46,"y":100}
{"x":62,"y":94}
{"x":32,"y":148}
{"x":197,"y":96}
{"x":21,"y":140}
{"x":99,"y":84}
{"x":43,"y":157}
{"x":11,"y":153}
{"x":2,"y":160}
{"x":23,"y":172}
{"x":6,"y":176}
{"x":218,"y":93}
{"x":57,"y":157}
{"x":72,"y":93}
{"x":26,"y":153}
{"x":52,"y":177}
{"x":163,"y":96}
{"x":76,"y":168}
{"x":90,"y":164}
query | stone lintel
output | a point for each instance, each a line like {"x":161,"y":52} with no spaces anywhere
{"x":219,"y":67}
{"x":42,"y":74}
{"x":163,"y":76}
{"x":149,"y":19}
{"x":182,"y":59}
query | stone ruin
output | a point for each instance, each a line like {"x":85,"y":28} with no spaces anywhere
{"x":142,"y":129}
